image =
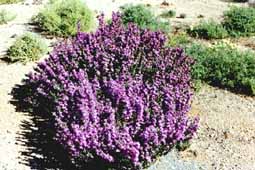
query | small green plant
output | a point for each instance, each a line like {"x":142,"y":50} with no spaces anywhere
{"x":9,"y":1}
{"x":208,"y":30}
{"x":178,"y":39}
{"x":61,"y":18}
{"x":223,"y":65}
{"x":6,"y":16}
{"x":28,"y":47}
{"x":143,"y":17}
{"x":168,"y":14}
{"x":240,"y":21}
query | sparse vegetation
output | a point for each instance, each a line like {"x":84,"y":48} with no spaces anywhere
{"x":28,"y":47}
{"x":6,"y":16}
{"x":62,"y":17}
{"x":168,"y":14}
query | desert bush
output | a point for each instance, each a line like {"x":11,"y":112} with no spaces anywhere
{"x":28,"y":47}
{"x":240,"y":21}
{"x":62,"y":17}
{"x":208,"y":30}
{"x":143,"y":17}
{"x":168,"y":14}
{"x":6,"y":16}
{"x":118,"y":96}
{"x":9,"y":1}
{"x":224,"y":66}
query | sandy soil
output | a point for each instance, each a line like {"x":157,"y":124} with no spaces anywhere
{"x":226,"y":139}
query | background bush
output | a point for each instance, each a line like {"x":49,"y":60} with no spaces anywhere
{"x":6,"y":16}
{"x":118,"y":96}
{"x":10,"y":1}
{"x":224,"y":66}
{"x":168,"y":14}
{"x":28,"y":47}
{"x":208,"y":30}
{"x":143,"y":17}
{"x":240,"y":21}
{"x":61,"y":18}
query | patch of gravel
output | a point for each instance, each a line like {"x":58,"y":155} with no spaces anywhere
{"x":226,"y":138}
{"x":10,"y":120}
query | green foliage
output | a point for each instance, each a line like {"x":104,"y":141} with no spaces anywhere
{"x":168,"y":14}
{"x":224,"y":66}
{"x":143,"y":17}
{"x":6,"y":16}
{"x":9,"y":1}
{"x":61,"y":18}
{"x":240,"y":21}
{"x":208,"y":30}
{"x":178,"y":39}
{"x":28,"y":47}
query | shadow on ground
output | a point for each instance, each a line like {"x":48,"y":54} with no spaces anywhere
{"x":37,"y":135}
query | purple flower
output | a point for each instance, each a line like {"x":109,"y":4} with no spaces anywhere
{"x":117,"y":94}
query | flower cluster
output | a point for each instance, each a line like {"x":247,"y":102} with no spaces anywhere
{"x":117,"y":94}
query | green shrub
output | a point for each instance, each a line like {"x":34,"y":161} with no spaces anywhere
{"x":168,"y":14}
{"x":143,"y":17}
{"x":28,"y":47}
{"x":240,"y":21}
{"x":208,"y":30}
{"x":61,"y":18}
{"x":5,"y":17}
{"x":224,"y":66}
{"x":178,"y":39}
{"x":9,"y":1}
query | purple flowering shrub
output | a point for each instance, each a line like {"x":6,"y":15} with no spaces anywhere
{"x":117,"y":95}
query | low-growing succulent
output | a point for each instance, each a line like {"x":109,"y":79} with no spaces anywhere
{"x":118,"y":95}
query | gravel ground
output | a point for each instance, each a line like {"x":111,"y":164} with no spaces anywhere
{"x":226,"y":138}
